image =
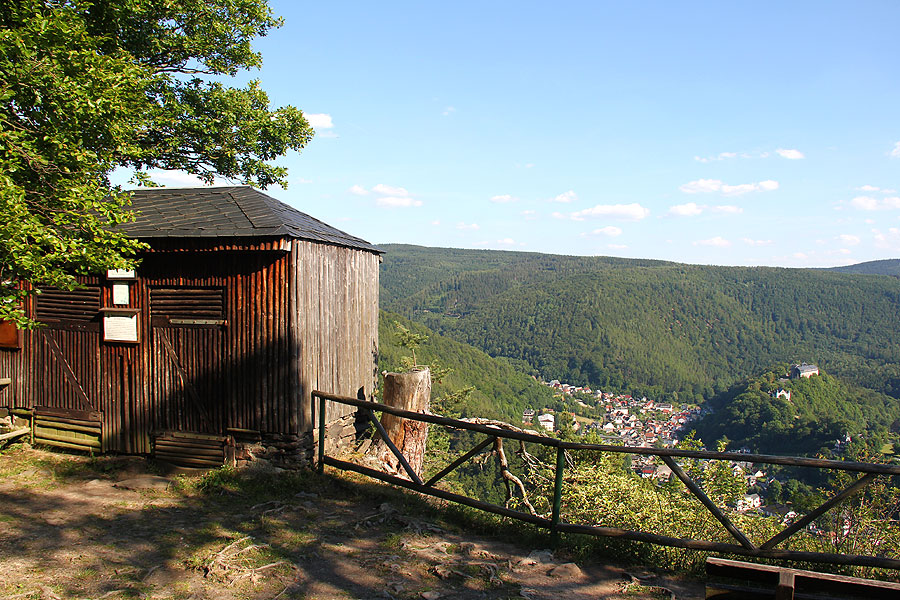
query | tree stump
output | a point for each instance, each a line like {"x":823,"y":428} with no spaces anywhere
{"x":408,"y":391}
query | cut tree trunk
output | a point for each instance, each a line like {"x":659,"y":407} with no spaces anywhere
{"x":410,"y":391}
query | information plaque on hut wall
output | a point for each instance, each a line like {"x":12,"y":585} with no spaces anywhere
{"x":120,"y":326}
{"x":121,"y":274}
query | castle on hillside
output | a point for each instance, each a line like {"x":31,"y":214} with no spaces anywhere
{"x":804,"y":370}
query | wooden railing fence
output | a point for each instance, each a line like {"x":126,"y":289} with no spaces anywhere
{"x":743,"y":547}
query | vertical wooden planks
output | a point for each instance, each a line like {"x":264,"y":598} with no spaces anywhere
{"x":296,"y":321}
{"x":334,"y":330}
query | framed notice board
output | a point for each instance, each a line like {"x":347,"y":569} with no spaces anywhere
{"x":121,"y":325}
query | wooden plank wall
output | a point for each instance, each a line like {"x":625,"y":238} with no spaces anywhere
{"x":296,"y":321}
{"x":48,"y":384}
{"x":334,"y":300}
{"x":239,"y":371}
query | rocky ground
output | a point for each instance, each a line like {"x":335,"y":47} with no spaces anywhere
{"x":114,"y":527}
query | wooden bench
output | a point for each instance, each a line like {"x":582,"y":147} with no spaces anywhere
{"x":751,"y":581}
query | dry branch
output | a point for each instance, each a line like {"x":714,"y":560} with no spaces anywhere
{"x":232,"y":563}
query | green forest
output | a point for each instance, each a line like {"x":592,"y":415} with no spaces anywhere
{"x":498,"y":391}
{"x":654,"y":328}
{"x":820,"y":410}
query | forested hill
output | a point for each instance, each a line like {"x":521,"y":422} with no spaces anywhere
{"x":498,"y":390}
{"x":804,"y":419}
{"x":653,"y":327}
{"x":875,"y":267}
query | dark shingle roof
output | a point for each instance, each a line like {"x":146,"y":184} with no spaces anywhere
{"x":238,"y":211}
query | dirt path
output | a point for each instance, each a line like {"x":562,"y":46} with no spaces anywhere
{"x":73,"y":527}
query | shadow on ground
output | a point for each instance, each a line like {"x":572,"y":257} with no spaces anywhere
{"x":67,"y":531}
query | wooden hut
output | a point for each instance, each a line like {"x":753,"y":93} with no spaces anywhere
{"x":209,"y":351}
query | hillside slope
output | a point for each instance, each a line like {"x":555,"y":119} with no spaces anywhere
{"x":817,"y":412}
{"x":499,"y":391}
{"x":654,"y":327}
{"x":889,"y":266}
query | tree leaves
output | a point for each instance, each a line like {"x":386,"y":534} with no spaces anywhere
{"x":88,"y":86}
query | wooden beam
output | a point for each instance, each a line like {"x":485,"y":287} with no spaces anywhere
{"x":709,"y":504}
{"x":449,"y":468}
{"x":799,"y":524}
{"x":387,"y":440}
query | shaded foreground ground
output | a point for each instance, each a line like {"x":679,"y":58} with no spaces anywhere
{"x":75,"y":527}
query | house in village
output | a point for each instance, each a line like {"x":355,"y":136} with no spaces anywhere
{"x":209,"y":351}
{"x":749,"y":502}
{"x":547,"y":421}
{"x":781,"y":393}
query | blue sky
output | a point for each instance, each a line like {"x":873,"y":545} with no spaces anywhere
{"x":734,"y":133}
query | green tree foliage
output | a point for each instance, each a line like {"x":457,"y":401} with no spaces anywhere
{"x":87,"y":86}
{"x":498,"y":391}
{"x":821,"y":410}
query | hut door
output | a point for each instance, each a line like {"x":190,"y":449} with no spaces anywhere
{"x":187,"y":379}
{"x":186,"y":370}
{"x":65,"y":380}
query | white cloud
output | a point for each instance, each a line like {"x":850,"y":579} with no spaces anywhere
{"x":319,"y":120}
{"x":507,"y":242}
{"x":390,"y":196}
{"x":868,"y":188}
{"x":435,"y":222}
{"x":701,"y":186}
{"x":850,"y":240}
{"x":686,"y":210}
{"x":752,"y":242}
{"x":888,"y":241}
{"x":609,"y":230}
{"x":559,"y":215}
{"x":448,"y":111}
{"x":390,"y":190}
{"x":471,"y":226}
{"x":529,"y":214}
{"x":717,"y":157}
{"x":737,"y":190}
{"x":394,"y":202}
{"x":617,"y":246}
{"x":718,"y":242}
{"x":728,"y":209}
{"x":503,"y":198}
{"x":869,"y":203}
{"x":629,"y":212}
{"x":865,"y":203}
{"x":789,"y":154}
{"x":708,"y":186}
{"x":895,"y":153}
{"x":565,"y":197}
{"x":181,"y":179}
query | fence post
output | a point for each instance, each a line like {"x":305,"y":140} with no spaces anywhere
{"x":557,"y":492}
{"x":321,"y":465}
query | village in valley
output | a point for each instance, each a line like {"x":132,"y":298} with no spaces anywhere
{"x":618,"y":418}
{"x":621,"y":419}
